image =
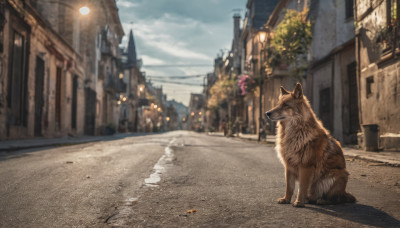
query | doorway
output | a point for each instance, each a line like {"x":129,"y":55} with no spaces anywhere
{"x":39,"y":87}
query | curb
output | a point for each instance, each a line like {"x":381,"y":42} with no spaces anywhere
{"x":13,"y":148}
{"x":348,"y":152}
{"x":371,"y":157}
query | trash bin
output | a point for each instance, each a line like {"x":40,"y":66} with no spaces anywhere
{"x":371,"y":137}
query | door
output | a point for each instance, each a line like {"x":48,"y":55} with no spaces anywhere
{"x":74,"y":101}
{"x":39,"y":88}
{"x":354,"y":125}
{"x":58,"y":98}
{"x":325,"y":108}
{"x":17,"y":81}
{"x":90,"y":111}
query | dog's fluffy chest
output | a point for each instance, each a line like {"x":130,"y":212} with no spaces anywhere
{"x":292,"y":147}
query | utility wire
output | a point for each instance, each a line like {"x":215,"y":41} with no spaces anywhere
{"x":177,"y":77}
{"x":178,"y":83}
{"x":178,"y":65}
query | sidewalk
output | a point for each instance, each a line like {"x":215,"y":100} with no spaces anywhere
{"x":386,"y":157}
{"x":12,"y":145}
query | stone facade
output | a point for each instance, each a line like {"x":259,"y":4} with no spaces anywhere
{"x":331,"y":83}
{"x":41,"y":77}
{"x":196,"y":112}
{"x":378,"y":68}
{"x":60,"y":71}
{"x":258,"y":13}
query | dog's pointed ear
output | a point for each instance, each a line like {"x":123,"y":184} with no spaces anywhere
{"x":298,"y":91}
{"x":284,"y":91}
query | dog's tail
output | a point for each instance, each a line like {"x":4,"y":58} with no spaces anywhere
{"x":342,"y":198}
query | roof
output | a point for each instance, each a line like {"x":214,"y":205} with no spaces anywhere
{"x":132,"y":58}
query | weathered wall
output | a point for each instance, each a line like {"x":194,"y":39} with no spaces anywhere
{"x":44,"y":43}
{"x":332,"y":51}
{"x":382,"y":105}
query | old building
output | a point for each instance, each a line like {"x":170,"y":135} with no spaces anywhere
{"x":378,"y":68}
{"x":212,"y":116}
{"x":110,"y":85}
{"x":196,"y":112}
{"x":279,"y":76}
{"x":96,"y":37}
{"x":41,"y":75}
{"x":151,"y":114}
{"x":182,"y":112}
{"x":257,"y":14}
{"x":171,"y":118}
{"x":331,"y":83}
{"x":130,"y":99}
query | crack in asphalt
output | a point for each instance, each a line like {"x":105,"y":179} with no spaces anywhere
{"x":124,"y":210}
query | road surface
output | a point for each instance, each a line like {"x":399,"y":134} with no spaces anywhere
{"x":177,"y":179}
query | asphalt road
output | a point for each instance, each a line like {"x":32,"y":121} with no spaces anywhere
{"x":161,"y":179}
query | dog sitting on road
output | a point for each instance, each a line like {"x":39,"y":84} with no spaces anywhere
{"x":309,"y":153}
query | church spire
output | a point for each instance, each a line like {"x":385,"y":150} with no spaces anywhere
{"x":132,"y":60}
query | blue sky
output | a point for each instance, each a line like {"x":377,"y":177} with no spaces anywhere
{"x":179,"y":32}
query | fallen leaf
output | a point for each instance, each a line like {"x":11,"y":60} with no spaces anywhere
{"x":191,"y":211}
{"x":376,"y":164}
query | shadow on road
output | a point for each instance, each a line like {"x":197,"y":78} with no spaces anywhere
{"x":359,"y":213}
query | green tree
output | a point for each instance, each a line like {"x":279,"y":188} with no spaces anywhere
{"x":221,"y":91}
{"x":290,"y":42}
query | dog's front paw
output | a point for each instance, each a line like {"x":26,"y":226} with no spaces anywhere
{"x":298,"y":204}
{"x":283,"y":201}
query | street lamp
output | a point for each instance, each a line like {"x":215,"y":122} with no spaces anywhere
{"x":262,"y":34}
{"x":84,"y":10}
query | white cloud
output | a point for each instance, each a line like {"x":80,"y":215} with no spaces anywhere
{"x":162,"y":34}
{"x":148,"y":60}
{"x":127,"y":4}
{"x":179,"y":32}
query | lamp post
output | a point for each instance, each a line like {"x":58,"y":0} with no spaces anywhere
{"x":83,"y":10}
{"x":261,"y":38}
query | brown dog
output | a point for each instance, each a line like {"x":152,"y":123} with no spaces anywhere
{"x":309,"y":153}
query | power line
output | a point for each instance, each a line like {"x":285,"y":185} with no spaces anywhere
{"x":177,"y":77}
{"x":177,"y":83}
{"x":177,"y":65}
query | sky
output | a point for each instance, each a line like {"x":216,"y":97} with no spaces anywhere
{"x":179,"y":32}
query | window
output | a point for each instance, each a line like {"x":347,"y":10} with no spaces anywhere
{"x":392,"y":12}
{"x":349,"y":9}
{"x":370,"y":81}
{"x":17,"y":87}
{"x":58,"y":97}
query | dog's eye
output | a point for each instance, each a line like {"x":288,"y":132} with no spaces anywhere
{"x":285,"y":105}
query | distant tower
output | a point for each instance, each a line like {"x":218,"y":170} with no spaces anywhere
{"x":236,"y":26}
{"x":236,"y":41}
{"x":132,"y":59}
